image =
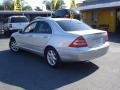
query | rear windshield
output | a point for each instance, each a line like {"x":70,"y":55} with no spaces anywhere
{"x":73,"y":25}
{"x":19,"y":19}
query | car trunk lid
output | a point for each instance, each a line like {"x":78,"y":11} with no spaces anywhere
{"x":94,"y":38}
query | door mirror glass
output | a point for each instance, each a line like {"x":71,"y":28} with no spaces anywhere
{"x":20,"y":31}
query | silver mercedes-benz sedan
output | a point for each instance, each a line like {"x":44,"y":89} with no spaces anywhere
{"x":61,"y":40}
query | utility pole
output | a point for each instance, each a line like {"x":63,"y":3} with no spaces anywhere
{"x":51,"y":8}
{"x":4,"y":5}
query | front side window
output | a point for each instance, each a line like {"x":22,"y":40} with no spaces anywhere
{"x":31,"y":28}
{"x":73,"y":25}
{"x":43,"y":27}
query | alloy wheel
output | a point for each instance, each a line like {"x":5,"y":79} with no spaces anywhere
{"x":13,"y":46}
{"x":51,"y":57}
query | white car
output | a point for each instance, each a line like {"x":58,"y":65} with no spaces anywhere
{"x":15,"y":23}
{"x":61,"y":40}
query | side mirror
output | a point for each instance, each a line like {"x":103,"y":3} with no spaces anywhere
{"x":20,"y":31}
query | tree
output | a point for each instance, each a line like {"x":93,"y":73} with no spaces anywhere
{"x":1,"y":7}
{"x":47,"y":4}
{"x":9,"y":5}
{"x":59,"y":4}
{"x":27,"y":8}
{"x":38,"y":9}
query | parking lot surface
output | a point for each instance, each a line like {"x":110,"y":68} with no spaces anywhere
{"x":27,"y":71}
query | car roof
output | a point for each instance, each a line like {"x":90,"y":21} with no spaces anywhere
{"x":54,"y":19}
{"x":62,"y":19}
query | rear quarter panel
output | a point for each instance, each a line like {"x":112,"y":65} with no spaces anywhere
{"x":61,"y":41}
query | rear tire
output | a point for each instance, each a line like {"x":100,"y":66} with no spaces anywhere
{"x":52,"y":58}
{"x":13,"y":46}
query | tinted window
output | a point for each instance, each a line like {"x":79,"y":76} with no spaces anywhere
{"x":19,"y":19}
{"x":73,"y":25}
{"x":62,"y":13}
{"x":43,"y":27}
{"x":30,"y":28}
{"x":57,"y":14}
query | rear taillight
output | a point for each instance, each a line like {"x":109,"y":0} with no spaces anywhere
{"x":79,"y":42}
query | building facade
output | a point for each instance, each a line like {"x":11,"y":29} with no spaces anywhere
{"x":102,"y":14}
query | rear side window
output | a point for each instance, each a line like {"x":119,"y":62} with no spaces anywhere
{"x":73,"y":25}
{"x":19,"y":19}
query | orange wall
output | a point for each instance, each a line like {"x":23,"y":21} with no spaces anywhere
{"x":87,"y":17}
{"x":106,"y":16}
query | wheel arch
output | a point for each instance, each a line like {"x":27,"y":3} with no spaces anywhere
{"x":58,"y":62}
{"x":47,"y":47}
{"x":12,"y":38}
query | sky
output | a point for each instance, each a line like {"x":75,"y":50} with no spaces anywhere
{"x":34,"y":3}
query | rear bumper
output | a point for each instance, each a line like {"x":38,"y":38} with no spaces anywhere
{"x":82,"y":54}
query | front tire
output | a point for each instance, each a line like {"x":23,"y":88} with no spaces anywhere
{"x":13,"y":45}
{"x":53,"y":58}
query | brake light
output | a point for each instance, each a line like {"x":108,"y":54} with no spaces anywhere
{"x":79,"y":42}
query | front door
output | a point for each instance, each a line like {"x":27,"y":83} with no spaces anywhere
{"x":41,"y":36}
{"x":25,"y":39}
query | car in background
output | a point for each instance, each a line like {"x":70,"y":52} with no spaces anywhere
{"x":15,"y":23}
{"x":67,"y":13}
{"x":61,"y":40}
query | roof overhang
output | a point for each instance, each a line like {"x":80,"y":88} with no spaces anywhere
{"x":100,"y":6}
{"x":24,"y":12}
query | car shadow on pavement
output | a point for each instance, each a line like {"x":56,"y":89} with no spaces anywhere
{"x":30,"y":71}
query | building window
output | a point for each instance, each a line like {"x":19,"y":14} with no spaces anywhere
{"x":94,"y":16}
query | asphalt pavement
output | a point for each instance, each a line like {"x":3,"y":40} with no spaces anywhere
{"x":27,"y":71}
